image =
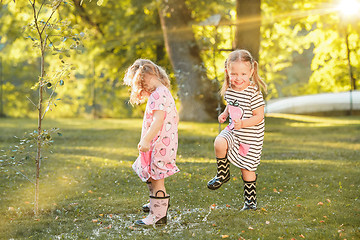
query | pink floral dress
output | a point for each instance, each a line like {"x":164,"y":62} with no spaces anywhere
{"x":159,"y":161}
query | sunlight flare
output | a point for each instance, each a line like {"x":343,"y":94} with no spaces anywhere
{"x":349,"y":8}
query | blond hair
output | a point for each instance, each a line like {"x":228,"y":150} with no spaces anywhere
{"x":242,"y":55}
{"x":134,"y":77}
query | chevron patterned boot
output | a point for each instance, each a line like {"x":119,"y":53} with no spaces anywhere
{"x":249,"y":195}
{"x":146,"y":206}
{"x":158,"y":210}
{"x":223,"y":174}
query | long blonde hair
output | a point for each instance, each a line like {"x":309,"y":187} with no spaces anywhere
{"x":134,"y":77}
{"x":242,"y":55}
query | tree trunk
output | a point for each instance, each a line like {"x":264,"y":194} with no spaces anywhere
{"x":40,"y":112}
{"x":248,"y":21}
{"x":196,"y":92}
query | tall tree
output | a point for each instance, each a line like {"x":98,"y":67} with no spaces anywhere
{"x":248,"y":22}
{"x":196,"y":92}
{"x":48,"y":35}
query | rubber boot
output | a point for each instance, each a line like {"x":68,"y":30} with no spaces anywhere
{"x":249,"y":195}
{"x":146,"y":206}
{"x":223,"y":174}
{"x":158,"y":210}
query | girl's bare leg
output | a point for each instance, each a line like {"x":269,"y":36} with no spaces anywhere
{"x":248,"y":175}
{"x":158,"y":185}
{"x":220,"y":146}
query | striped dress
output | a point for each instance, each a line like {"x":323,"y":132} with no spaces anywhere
{"x":248,"y":100}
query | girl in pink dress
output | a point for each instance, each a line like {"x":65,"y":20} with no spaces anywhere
{"x":159,"y":137}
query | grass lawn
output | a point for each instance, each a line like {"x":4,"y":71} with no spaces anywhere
{"x":308,"y":184}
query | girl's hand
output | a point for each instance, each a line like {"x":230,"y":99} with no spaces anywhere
{"x":158,"y":121}
{"x":222,"y":117}
{"x":144,"y":146}
{"x":238,"y":124}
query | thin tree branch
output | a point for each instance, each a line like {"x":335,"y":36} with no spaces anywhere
{"x":49,"y":102}
{"x":36,"y":22}
{"x":32,"y":102}
{"x":54,"y":10}
{"x":40,"y":8}
{"x":22,"y":175}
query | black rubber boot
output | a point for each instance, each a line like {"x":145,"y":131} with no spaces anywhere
{"x":249,"y":195}
{"x":223,"y":174}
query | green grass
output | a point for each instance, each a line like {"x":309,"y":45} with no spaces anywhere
{"x":89,"y":191}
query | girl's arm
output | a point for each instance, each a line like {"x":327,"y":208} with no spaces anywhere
{"x":157,"y":123}
{"x":258,"y":116}
{"x":223,"y":116}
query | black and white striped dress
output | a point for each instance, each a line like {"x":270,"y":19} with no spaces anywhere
{"x":248,"y":99}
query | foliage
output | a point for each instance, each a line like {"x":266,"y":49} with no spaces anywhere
{"x":126,"y":30}
{"x":310,"y":35}
{"x":24,"y":150}
{"x":302,"y":50}
{"x":308,"y":183}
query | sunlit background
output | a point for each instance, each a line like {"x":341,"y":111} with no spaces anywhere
{"x":305,"y":48}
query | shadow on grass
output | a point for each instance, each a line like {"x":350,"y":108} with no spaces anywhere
{"x":89,"y":190}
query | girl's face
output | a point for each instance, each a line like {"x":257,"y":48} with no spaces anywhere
{"x":150,"y":83}
{"x":239,"y":74}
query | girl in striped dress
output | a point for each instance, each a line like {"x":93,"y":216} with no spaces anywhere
{"x":241,"y":141}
